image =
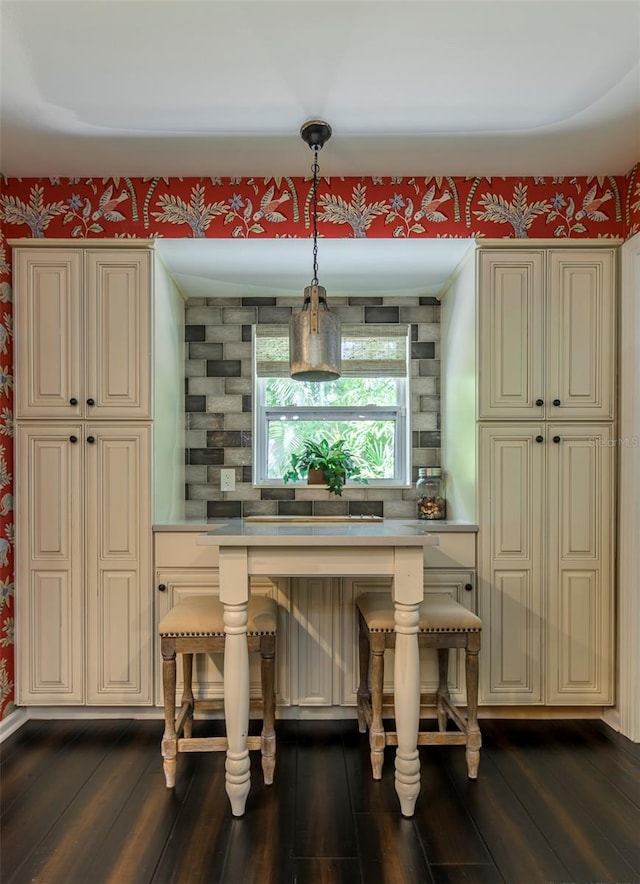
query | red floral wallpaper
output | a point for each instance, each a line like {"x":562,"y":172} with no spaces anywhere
{"x":607,"y":206}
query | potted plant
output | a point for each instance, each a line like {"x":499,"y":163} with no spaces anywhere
{"x":333,"y":461}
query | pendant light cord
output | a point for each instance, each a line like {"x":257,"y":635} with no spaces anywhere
{"x":315,"y":168}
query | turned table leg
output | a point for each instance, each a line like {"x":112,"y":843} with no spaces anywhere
{"x":407,"y":705}
{"x":236,"y":705}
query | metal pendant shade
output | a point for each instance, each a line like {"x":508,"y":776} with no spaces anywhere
{"x":314,"y":333}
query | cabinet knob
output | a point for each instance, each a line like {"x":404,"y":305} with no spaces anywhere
{"x":539,"y":402}
{"x":468,"y":587}
{"x":91,"y":439}
{"x":556,"y":439}
{"x":556,"y":402}
{"x":73,"y":401}
{"x":73,"y":439}
{"x":93,"y":402}
{"x":162,"y":587}
{"x":539,"y":438}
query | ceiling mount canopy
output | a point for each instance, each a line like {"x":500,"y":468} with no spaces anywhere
{"x":314,"y":332}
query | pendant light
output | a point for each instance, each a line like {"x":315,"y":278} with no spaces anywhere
{"x":314,"y":332}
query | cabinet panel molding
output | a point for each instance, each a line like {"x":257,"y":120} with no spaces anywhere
{"x":49,"y":566}
{"x":118,"y":333}
{"x":49,"y":668}
{"x":511,"y":670}
{"x":511,"y":308}
{"x":581,"y":330}
{"x":48,"y":332}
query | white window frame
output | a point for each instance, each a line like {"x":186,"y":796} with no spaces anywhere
{"x":263,"y":414}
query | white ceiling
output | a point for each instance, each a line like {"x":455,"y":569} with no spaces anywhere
{"x":221,"y":87}
{"x":283,"y":267}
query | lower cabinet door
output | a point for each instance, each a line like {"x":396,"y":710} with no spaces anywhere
{"x":118,"y":548}
{"x":460,"y":585}
{"x":49,"y":565}
{"x":511,"y":572}
{"x":581,"y":543}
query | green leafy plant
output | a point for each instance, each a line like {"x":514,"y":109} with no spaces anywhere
{"x":336,"y":461}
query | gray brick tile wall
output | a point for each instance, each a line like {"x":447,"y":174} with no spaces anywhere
{"x":218,"y":402}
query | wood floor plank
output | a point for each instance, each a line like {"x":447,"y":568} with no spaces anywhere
{"x":445,"y":827}
{"x":40,"y":805}
{"x":66,"y":853}
{"x":131,"y":848}
{"x":30,"y":756}
{"x":261,"y":843}
{"x":518,"y":848}
{"x":479,"y":874}
{"x":620,"y":767}
{"x":554,"y":802}
{"x":537,"y":778}
{"x":327,"y":870}
{"x":324,"y":824}
{"x":390,"y":849}
{"x":369,"y":795}
{"x":197,"y":844}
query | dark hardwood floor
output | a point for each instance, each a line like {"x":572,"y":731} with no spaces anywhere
{"x":86,"y":802}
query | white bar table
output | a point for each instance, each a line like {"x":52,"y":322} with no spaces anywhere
{"x":333,"y":549}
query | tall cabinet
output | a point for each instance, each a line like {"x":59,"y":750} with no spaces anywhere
{"x":543,"y":420}
{"x":83,"y":464}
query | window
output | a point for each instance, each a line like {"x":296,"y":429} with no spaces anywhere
{"x":367,"y":406}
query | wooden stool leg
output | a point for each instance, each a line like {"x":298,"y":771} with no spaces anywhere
{"x":363,"y":688}
{"x":169,"y":741}
{"x":187,"y":692}
{"x":474,"y":738}
{"x":377,"y":738}
{"x":268,"y":735}
{"x":443,"y":688}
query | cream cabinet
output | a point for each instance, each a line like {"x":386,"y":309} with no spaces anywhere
{"x":84,"y":328}
{"x":83,"y":333}
{"x":546,"y":583}
{"x":546,"y":334}
{"x":83,"y":567}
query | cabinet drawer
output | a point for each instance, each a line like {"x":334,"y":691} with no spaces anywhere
{"x":179,"y":549}
{"x":453,"y":551}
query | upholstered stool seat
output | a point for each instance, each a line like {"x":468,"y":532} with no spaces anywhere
{"x":443,"y":624}
{"x":195,"y":625}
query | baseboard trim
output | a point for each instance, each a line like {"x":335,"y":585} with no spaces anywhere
{"x":12,"y":723}
{"x":307,"y":713}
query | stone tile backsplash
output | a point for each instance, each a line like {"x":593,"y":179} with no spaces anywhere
{"x":218,"y":405}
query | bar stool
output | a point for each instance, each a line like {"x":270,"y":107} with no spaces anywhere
{"x":195,"y":625}
{"x":443,"y":624}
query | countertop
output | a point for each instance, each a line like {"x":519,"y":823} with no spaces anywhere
{"x":354,"y":527}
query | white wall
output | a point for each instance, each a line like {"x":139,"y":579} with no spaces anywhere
{"x":168,"y":393}
{"x":458,"y":390}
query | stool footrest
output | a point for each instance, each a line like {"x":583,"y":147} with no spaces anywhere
{"x":430,"y":738}
{"x":212,"y":744}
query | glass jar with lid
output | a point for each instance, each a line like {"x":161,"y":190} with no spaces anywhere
{"x":430,"y":493}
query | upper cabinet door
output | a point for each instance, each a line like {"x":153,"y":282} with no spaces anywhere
{"x":118,"y":336}
{"x":546,"y":334}
{"x":48,"y":291}
{"x":511,"y":305}
{"x":83,"y":333}
{"x":580,"y":334}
